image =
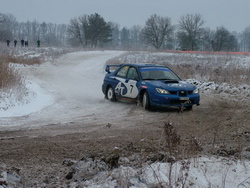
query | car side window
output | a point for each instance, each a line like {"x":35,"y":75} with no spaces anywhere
{"x":123,"y":71}
{"x":132,"y":74}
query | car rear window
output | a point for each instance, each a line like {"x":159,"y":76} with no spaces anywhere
{"x":154,"y":69}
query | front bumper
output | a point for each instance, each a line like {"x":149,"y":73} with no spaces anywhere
{"x":157,"y":99}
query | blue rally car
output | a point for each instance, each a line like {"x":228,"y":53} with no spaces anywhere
{"x":149,"y":85}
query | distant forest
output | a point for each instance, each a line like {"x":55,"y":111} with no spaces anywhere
{"x":92,"y":31}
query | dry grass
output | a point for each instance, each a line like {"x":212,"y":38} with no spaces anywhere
{"x":20,"y":60}
{"x":12,"y":83}
{"x":12,"y":87}
{"x":220,"y":68}
{"x":8,"y":75}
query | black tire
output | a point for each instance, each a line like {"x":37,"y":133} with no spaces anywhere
{"x":189,"y":107}
{"x":110,"y":94}
{"x":145,"y":101}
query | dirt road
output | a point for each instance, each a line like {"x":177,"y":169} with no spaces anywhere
{"x":81,"y":123}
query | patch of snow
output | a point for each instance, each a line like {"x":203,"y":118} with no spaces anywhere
{"x":193,"y":173}
{"x":35,"y":100}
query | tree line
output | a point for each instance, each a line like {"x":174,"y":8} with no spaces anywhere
{"x":92,"y":31}
{"x":50,"y":34}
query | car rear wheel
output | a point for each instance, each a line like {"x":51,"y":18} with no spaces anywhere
{"x":145,"y":101}
{"x":110,"y":94}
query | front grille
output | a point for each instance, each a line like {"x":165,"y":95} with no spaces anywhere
{"x":182,"y":93}
{"x":173,"y":92}
{"x":176,"y":101}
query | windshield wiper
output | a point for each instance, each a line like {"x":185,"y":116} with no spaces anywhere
{"x":163,"y":79}
{"x":149,"y":79}
{"x":171,"y":81}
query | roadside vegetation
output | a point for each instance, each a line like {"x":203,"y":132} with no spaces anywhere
{"x":218,"y":68}
{"x":13,"y":89}
{"x":9,"y":75}
{"x":12,"y":58}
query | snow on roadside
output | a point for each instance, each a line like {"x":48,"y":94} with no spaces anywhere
{"x":193,"y":173}
{"x":239,"y":93}
{"x":196,"y":59}
{"x":28,"y":97}
{"x":63,"y":84}
{"x":35,"y":99}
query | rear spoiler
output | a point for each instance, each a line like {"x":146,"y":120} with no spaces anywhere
{"x":111,"y":68}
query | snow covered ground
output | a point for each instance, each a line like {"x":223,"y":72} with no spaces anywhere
{"x":43,"y":81}
{"x":69,"y":89}
{"x":59,"y":92}
{"x":199,"y":172}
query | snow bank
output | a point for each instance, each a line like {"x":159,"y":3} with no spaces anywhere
{"x":34,"y":100}
{"x":193,"y":173}
{"x":240,"y":93}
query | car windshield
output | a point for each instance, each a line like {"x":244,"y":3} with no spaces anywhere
{"x":158,"y":73}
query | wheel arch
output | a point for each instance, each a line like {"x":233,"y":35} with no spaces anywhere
{"x":106,"y":90}
{"x":140,"y":96}
{"x":107,"y":87}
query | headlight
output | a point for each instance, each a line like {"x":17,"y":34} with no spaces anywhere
{"x":162,"y":91}
{"x":196,"y":91}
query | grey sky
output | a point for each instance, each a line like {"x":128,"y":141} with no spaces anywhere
{"x":232,"y":14}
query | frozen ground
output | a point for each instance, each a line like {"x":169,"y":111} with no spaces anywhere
{"x":59,"y":92}
{"x":64,"y":115}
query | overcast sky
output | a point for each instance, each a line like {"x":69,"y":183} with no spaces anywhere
{"x":233,"y":14}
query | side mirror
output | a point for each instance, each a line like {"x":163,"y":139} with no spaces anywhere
{"x":107,"y":69}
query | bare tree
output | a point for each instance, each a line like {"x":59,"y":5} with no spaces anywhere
{"x":220,"y":38}
{"x":190,"y":30}
{"x":76,"y":29}
{"x":27,"y":30}
{"x":115,"y":28}
{"x":125,"y":38}
{"x":43,"y":31}
{"x":157,"y":30}
{"x":35,"y":31}
{"x":8,"y":24}
{"x":233,"y":44}
{"x":62,"y":33}
{"x":90,"y":30}
{"x":135,"y":36}
{"x":245,"y":39}
{"x":51,"y":38}
{"x":206,"y":38}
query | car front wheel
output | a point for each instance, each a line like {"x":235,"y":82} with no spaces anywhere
{"x":189,"y":107}
{"x":145,"y":101}
{"x":110,"y":94}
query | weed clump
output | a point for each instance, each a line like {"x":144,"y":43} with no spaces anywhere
{"x":173,"y":140}
{"x":8,"y":75}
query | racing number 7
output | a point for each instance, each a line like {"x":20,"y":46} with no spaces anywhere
{"x":131,"y":88}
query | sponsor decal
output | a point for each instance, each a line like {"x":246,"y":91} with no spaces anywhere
{"x":126,"y":88}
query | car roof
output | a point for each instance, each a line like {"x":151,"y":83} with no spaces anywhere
{"x":143,"y":65}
